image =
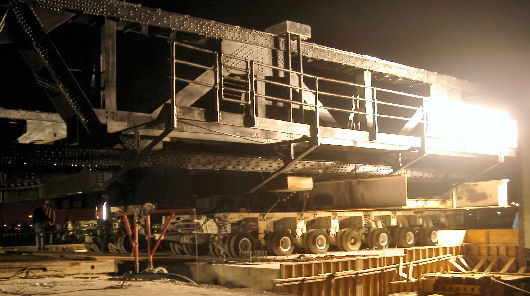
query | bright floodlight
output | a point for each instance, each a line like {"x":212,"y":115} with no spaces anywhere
{"x":471,"y":124}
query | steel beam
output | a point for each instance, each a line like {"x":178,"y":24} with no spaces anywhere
{"x":135,"y":13}
{"x":108,"y":67}
{"x":30,"y":156}
{"x":30,"y":115}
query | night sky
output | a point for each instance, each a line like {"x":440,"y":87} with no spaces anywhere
{"x":481,"y":41}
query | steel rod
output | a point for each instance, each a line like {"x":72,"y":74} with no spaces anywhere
{"x":191,"y":64}
{"x":189,"y":46}
{"x":194,"y":82}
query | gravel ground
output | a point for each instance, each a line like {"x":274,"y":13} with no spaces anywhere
{"x":105,"y":285}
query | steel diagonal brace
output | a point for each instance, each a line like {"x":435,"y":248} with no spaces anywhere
{"x":283,"y":169}
{"x":58,"y":69}
{"x":399,"y":170}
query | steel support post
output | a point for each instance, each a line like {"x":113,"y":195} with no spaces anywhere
{"x":136,"y":254}
{"x":289,"y":66}
{"x":173,"y":95}
{"x":148,"y":238}
{"x":374,"y":129}
{"x":315,"y":131}
{"x":424,"y":129}
{"x":108,"y":67}
{"x":300,"y":76}
{"x":218,"y":85}
{"x":251,"y":93}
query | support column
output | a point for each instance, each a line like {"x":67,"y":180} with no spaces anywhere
{"x":108,"y":65}
{"x":366,"y":122}
{"x":523,"y":154}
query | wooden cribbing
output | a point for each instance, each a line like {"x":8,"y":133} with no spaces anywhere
{"x":366,"y":276}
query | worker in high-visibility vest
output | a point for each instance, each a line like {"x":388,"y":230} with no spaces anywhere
{"x":104,"y":225}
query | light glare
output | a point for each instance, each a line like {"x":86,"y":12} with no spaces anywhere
{"x":471,"y":124}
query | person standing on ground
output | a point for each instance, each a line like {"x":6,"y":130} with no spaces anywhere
{"x":39,"y":221}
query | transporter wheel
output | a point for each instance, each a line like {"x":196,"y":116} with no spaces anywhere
{"x":351,"y":240}
{"x":317,"y":241}
{"x":393,"y":234}
{"x":337,"y":242}
{"x":268,"y":243}
{"x":175,"y":248}
{"x":281,"y":243}
{"x":189,"y":249}
{"x":405,"y":237}
{"x":213,"y":248}
{"x":241,"y":243}
{"x":378,"y":238}
{"x":226,"y":245}
{"x":429,"y":236}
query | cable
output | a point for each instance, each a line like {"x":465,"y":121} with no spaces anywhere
{"x":508,"y":285}
{"x":3,"y":21}
{"x":22,"y":270}
{"x":221,"y":133}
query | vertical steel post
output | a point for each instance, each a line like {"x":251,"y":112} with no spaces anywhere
{"x":316,"y":126}
{"x":148,"y":229}
{"x":217,"y":82}
{"x":136,"y":254}
{"x":252,"y":96}
{"x":424,"y":129}
{"x":374,"y":130}
{"x":301,"y":76}
{"x":289,"y":66}
{"x":108,"y":65}
{"x":173,"y":73}
{"x":196,"y":248}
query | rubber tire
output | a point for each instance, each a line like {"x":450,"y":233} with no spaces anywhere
{"x":227,"y":243}
{"x":281,"y":243}
{"x":393,"y":232}
{"x":346,"y":240}
{"x":426,"y":236}
{"x":213,"y":249}
{"x":268,"y":239}
{"x":376,"y":238}
{"x":314,"y":240}
{"x":188,"y":250}
{"x":237,"y":240}
{"x":338,"y":239}
{"x":305,"y":238}
{"x":403,"y":238}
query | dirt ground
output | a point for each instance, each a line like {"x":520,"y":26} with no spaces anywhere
{"x":105,"y":285}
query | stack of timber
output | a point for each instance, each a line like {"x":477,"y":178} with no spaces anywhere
{"x":367,"y":275}
{"x":474,"y":284}
{"x":493,"y":250}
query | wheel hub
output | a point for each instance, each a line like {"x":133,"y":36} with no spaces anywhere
{"x":320,"y":242}
{"x":409,"y":237}
{"x":383,"y":239}
{"x":244,"y":245}
{"x":285,"y":244}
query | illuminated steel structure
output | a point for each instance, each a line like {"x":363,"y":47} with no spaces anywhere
{"x":326,"y":110}
{"x":268,"y":102}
